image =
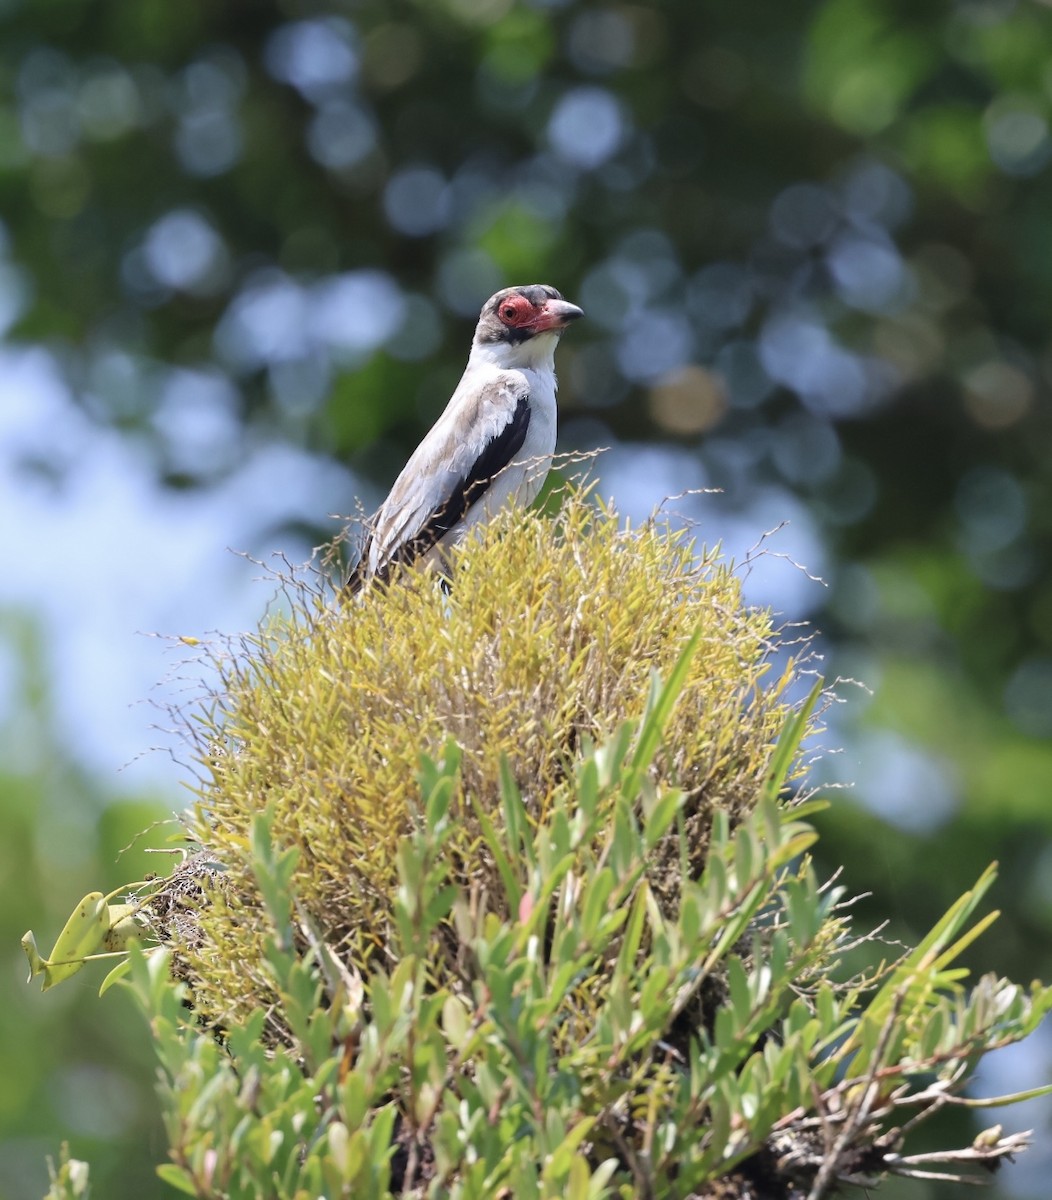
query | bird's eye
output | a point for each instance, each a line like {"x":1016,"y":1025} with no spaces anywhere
{"x":507,"y":312}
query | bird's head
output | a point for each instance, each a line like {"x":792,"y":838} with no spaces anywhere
{"x":520,"y":326}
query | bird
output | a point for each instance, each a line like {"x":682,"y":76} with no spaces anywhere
{"x":492,"y":445}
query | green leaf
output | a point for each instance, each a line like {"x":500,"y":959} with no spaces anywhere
{"x":596,"y":898}
{"x":558,"y":1165}
{"x":456,"y":1022}
{"x":610,"y":757}
{"x":930,"y":950}
{"x":273,"y":871}
{"x":789,"y":740}
{"x":496,"y":846}
{"x":662,"y":813}
{"x":1002,"y":1101}
{"x":662,"y":702}
{"x":747,"y":853}
{"x":119,"y":972}
{"x":82,"y":934}
{"x":178,"y":1177}
{"x":631,"y":939}
{"x":738,"y":987}
{"x":437,"y":782}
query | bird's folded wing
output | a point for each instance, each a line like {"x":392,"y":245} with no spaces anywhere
{"x":446,"y":475}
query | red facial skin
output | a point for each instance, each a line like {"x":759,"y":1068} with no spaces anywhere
{"x":519,"y":313}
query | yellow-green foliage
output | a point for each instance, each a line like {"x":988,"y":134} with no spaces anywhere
{"x":549,"y":636}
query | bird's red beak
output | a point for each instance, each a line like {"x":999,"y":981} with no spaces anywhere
{"x":555,"y":314}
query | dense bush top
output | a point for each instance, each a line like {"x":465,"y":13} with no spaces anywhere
{"x":546,"y":643}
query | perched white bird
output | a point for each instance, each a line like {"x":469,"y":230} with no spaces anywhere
{"x":492,"y":445}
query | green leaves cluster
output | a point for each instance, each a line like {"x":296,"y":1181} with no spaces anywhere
{"x":590,"y":1045}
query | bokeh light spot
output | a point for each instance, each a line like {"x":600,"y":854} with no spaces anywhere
{"x":747,"y":383}
{"x":688,"y":401}
{"x":208,"y":141}
{"x":340,"y":134}
{"x":182,"y":250}
{"x":314,"y":56}
{"x":198,"y":418}
{"x":905,"y":784}
{"x":420,"y":334}
{"x":1017,"y":136}
{"x":466,"y":278}
{"x":416,"y":201}
{"x":997,"y":394}
{"x":1028,"y":696}
{"x":720,"y":296}
{"x":800,"y":352}
{"x":869,"y":274}
{"x":991,"y":508}
{"x":805,"y":449}
{"x":804,"y":215}
{"x":392,"y":55}
{"x":265,"y":323}
{"x":586,"y":127}
{"x":356,"y":312}
{"x":108,"y":103}
{"x":653,"y":343}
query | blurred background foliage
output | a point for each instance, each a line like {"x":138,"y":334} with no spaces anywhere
{"x":241,"y":249}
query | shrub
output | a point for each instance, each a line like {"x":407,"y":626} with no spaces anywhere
{"x":545,"y":646}
{"x":504,"y":891}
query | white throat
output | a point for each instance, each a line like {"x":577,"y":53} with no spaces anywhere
{"x":535,"y":354}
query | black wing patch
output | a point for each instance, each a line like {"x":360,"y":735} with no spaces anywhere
{"x":466,"y":491}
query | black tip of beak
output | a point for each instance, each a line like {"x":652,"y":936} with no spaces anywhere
{"x":563,"y":311}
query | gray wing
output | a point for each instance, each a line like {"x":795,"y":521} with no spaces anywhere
{"x":425,"y":503}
